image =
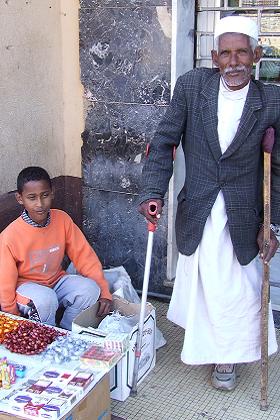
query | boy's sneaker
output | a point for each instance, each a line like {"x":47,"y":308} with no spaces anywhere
{"x":224,"y":377}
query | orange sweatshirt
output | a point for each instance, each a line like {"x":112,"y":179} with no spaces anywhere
{"x":32,"y":254}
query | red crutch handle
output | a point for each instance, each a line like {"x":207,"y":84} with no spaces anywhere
{"x":174,"y":153}
{"x":268,"y":140}
{"x":147,"y":149}
{"x":151,"y":227}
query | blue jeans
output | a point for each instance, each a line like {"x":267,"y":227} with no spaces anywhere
{"x":74,"y":292}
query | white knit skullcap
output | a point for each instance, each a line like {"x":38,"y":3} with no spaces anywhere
{"x":236,"y":24}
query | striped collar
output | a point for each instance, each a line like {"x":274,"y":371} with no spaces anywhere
{"x":31,"y":222}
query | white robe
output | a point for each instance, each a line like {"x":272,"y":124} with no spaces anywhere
{"x":214,"y":298}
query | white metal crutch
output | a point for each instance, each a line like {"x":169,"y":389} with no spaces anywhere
{"x":153,"y":208}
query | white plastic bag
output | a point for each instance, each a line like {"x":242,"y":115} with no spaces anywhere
{"x":120,"y":284}
{"x":117,"y":323}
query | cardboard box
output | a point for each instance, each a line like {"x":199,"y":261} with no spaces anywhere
{"x":96,"y":405}
{"x":121,"y":375}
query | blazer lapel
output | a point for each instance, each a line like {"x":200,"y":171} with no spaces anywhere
{"x":209,"y":106}
{"x":248,"y":119}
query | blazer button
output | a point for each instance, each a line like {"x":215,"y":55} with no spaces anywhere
{"x":223,"y":184}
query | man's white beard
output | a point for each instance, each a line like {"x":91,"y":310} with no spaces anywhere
{"x":243,"y":77}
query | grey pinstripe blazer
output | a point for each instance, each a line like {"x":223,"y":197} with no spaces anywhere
{"x":192,"y":119}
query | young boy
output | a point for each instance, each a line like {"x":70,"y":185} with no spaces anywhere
{"x":32,"y":248}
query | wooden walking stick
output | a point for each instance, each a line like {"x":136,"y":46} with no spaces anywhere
{"x":268,"y":142}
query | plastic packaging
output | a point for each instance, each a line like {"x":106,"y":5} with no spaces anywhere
{"x":120,"y":284}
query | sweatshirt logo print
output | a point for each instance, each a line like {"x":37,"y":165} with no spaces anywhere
{"x":45,"y":260}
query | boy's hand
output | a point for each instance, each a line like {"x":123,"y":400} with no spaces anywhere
{"x":105,"y":306}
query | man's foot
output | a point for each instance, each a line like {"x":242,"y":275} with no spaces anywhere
{"x":224,"y":377}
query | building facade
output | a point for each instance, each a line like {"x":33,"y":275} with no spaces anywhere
{"x":131,"y":54}
{"x":99,"y":74}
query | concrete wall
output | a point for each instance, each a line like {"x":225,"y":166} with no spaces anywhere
{"x":40,"y":91}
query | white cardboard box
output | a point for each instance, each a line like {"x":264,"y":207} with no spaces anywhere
{"x":121,"y":375}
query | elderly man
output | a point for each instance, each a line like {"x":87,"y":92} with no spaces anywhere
{"x":220,"y":117}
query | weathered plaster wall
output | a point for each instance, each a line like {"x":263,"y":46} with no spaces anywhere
{"x":40,"y":91}
{"x":125,"y":53}
{"x":72,"y":89}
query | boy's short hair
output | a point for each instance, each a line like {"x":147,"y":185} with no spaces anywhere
{"x":32,"y":173}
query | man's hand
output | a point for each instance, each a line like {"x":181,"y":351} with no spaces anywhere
{"x":144,"y":209}
{"x":267,"y":251}
{"x":105,"y":306}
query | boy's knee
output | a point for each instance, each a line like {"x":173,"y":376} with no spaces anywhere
{"x":44,"y":300}
{"x":49,"y":298}
{"x":89,"y":293}
{"x":47,"y":306}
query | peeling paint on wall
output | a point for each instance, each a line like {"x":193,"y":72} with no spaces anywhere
{"x":165,"y":20}
{"x":41,"y":97}
{"x":100,"y":54}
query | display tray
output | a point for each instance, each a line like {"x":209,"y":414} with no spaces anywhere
{"x":95,"y":405}
{"x":52,"y":390}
